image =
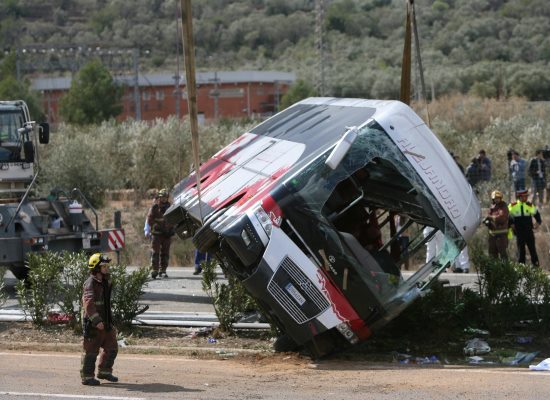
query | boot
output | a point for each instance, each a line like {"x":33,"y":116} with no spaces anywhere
{"x":91,"y":382}
{"x":107,"y":376}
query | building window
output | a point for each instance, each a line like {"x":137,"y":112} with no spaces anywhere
{"x":260,"y":91}
{"x":159,"y":105}
{"x":159,"y":95}
{"x":146,"y":96}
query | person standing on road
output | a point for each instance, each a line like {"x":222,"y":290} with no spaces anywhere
{"x":522,"y":213}
{"x":162,"y":233}
{"x":199,"y":259}
{"x":497,"y":222}
{"x":97,"y":319}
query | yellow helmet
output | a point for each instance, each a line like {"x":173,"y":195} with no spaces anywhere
{"x":96,"y":260}
{"x":495,"y":194}
{"x":163,"y":193}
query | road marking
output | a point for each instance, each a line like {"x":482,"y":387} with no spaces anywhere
{"x":71,"y":396}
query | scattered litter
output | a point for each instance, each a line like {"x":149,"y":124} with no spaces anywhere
{"x":212,"y":340}
{"x":475,"y":331}
{"x":524,"y":339}
{"x":476,"y":346}
{"x":544,"y":365}
{"x":225,"y":354}
{"x":122,"y":342}
{"x":477,"y":360}
{"x":59,"y":318}
{"x":286,"y":358}
{"x":202,"y":332}
{"x":520,"y":358}
{"x":408,"y":359}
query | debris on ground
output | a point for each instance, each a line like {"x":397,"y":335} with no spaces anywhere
{"x":544,"y":365}
{"x":476,"y":346}
{"x":520,"y":358}
{"x":475,"y":331}
{"x":409,"y":359}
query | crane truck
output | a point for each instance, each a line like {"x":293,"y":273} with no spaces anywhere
{"x":29,"y":224}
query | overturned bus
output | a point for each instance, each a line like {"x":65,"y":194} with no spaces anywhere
{"x":302,"y":210}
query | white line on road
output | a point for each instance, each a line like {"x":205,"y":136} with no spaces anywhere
{"x":70,"y":396}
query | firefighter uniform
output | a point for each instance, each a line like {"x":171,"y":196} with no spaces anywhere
{"x":522,"y":213}
{"x":497,"y":222}
{"x":162,"y":233}
{"x":99,"y":331}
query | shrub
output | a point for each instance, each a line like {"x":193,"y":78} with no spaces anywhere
{"x":230,"y":299}
{"x":55,"y":281}
{"x":127,"y":289}
{"x":512,"y":292}
{"x":3,"y":294}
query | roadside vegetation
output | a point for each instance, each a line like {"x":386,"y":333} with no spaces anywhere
{"x":492,"y":49}
{"x":52,"y":293}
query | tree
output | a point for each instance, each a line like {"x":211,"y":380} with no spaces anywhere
{"x":93,"y":97}
{"x":299,"y":91}
{"x":11,"y":89}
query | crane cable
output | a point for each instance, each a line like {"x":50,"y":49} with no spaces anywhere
{"x":191,"y":86}
{"x":410,"y":29}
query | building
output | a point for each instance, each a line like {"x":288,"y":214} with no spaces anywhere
{"x":222,"y":94}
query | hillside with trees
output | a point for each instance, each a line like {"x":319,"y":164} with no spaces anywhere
{"x":489,"y":48}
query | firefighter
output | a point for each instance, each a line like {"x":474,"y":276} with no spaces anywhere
{"x":497,"y":222}
{"x":162,"y":233}
{"x":522,"y":213}
{"x":97,"y":319}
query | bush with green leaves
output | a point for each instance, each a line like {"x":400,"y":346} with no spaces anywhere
{"x":3,"y":294}
{"x":43,"y":289}
{"x":511,"y":292}
{"x":230,"y":299}
{"x":55,"y":283}
{"x":127,"y":290}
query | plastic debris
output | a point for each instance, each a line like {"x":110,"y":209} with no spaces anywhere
{"x":520,"y":358}
{"x":408,"y":359}
{"x":475,"y":359}
{"x":59,"y":318}
{"x":524,"y":339}
{"x":476,"y":346}
{"x":212,"y":340}
{"x":544,"y":365}
{"x":475,"y":331}
{"x":122,"y":342}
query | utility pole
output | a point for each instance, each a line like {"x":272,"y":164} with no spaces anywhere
{"x":319,"y":17}
{"x":137,"y":102}
{"x":216,"y":94}
{"x":177,"y":91}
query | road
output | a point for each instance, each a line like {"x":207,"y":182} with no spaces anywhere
{"x":51,"y":376}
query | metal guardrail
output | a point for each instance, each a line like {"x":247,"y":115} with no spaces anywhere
{"x":149,"y":318}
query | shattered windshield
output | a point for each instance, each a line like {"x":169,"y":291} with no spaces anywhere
{"x":346,"y":219}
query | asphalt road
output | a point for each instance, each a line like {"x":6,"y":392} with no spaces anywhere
{"x":51,"y":376}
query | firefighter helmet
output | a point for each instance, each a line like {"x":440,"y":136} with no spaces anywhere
{"x":495,"y":194}
{"x":163,"y":193}
{"x":96,"y":260}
